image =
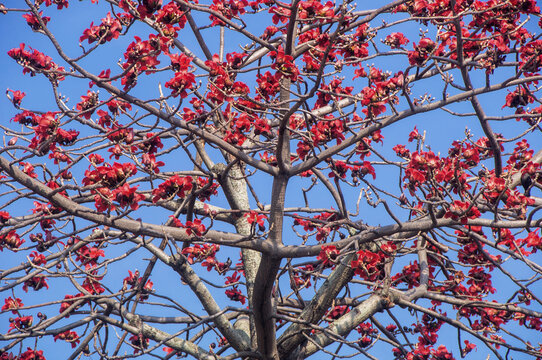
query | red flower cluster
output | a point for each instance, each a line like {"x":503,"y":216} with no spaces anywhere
{"x":108,"y":30}
{"x":60,"y":4}
{"x":183,"y":79}
{"x":20,"y":323}
{"x":473,"y":252}
{"x":68,"y":301}
{"x":174,"y":186}
{"x":133,"y":280}
{"x":139,"y":342}
{"x":519,"y":97}
{"x":396,"y":40}
{"x":142,"y":56}
{"x":87,"y":255}
{"x":12,"y":304}
{"x":88,"y":104}
{"x":369,"y":265}
{"x":302,"y":276}
{"x":37,"y":259}
{"x":320,"y":223}
{"x":311,"y":9}
{"x":326,"y":93}
{"x":113,"y":178}
{"x":31,"y":354}
{"x":16,"y":100}
{"x":170,"y":15}
{"x":195,"y":227}
{"x":222,"y":85}
{"x":462,"y":210}
{"x":421,"y":167}
{"x":236,"y":295}
{"x":367,"y":333}
{"x":531,"y":56}
{"x":36,"y":282}
{"x":227,"y":8}
{"x":48,"y":134}
{"x":284,"y":64}
{"x":254,"y":218}
{"x":36,"y":62}
{"x":69,"y":336}
{"x":422,"y":51}
{"x":107,"y":175}
{"x":10,"y":240}
{"x":268,"y":86}
{"x":206,"y":254}
{"x":33,"y":21}
{"x":337,"y":312}
{"x":92,"y":284}
{"x":328,"y":256}
{"x":126,"y":195}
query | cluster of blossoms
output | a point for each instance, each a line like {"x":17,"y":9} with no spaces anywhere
{"x":369,"y":265}
{"x":181,"y":186}
{"x":206,"y":254}
{"x":134,"y":281}
{"x":109,"y":29}
{"x":34,"y":61}
{"x":234,"y":293}
{"x":113,"y":187}
{"x":320,"y":223}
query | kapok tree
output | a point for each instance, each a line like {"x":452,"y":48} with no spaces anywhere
{"x":271,"y":180}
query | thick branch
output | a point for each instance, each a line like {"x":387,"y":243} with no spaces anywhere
{"x":316,"y":309}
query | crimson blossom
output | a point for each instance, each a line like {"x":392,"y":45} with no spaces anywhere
{"x":269,"y":179}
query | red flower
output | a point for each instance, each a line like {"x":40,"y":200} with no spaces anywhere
{"x":37,"y":259}
{"x":93,"y":286}
{"x":36,"y":61}
{"x":171,"y":14}
{"x":284,"y":64}
{"x":396,"y":40}
{"x":12,"y":304}
{"x":462,"y":210}
{"x":328,"y":255}
{"x":362,"y":170}
{"x":17,"y":98}
{"x":68,"y":301}
{"x":150,"y":163}
{"x":134,"y":280}
{"x":32,"y":354}
{"x":337,"y":312}
{"x":20,"y":323}
{"x":195,"y":227}
{"x":11,"y":240}
{"x":402,"y":151}
{"x":253,"y":217}
{"x":108,"y":30}
{"x":520,"y":97}
{"x":369,"y":265}
{"x":180,"y":83}
{"x":236,"y":295}
{"x":534,"y":240}
{"x":414,"y":135}
{"x":88,"y":104}
{"x":139,"y":342}
{"x":33,"y":21}
{"x":69,"y":336}
{"x":88,"y":256}
{"x":127,"y":196}
{"x":175,"y":185}
{"x":197,"y":253}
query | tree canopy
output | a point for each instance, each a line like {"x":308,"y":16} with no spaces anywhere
{"x":271,"y":180}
